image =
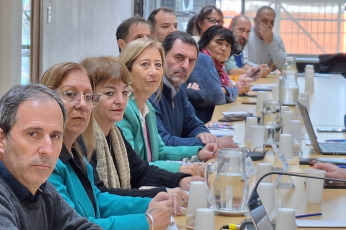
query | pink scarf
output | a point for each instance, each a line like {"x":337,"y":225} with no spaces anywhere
{"x":219,"y":68}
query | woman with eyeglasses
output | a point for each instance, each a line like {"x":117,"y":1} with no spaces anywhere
{"x":215,"y":87}
{"x":121,"y":171}
{"x":144,"y":58}
{"x":73,"y":175}
{"x":208,"y":16}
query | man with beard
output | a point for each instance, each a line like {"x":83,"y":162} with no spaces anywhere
{"x":176,"y":119}
{"x":235,"y":65}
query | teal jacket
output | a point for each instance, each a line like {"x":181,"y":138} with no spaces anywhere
{"x":109,"y":211}
{"x":133,"y":132}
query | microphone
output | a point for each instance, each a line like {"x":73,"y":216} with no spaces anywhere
{"x":258,"y":214}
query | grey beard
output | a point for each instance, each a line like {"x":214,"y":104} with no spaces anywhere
{"x":238,"y":47}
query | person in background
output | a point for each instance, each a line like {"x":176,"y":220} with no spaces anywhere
{"x":131,"y":29}
{"x":215,"y":87}
{"x":191,"y":26}
{"x":162,"y":22}
{"x":235,"y":64}
{"x":208,"y":16}
{"x":73,"y":175}
{"x":145,"y":60}
{"x":118,"y":166}
{"x":32,"y":119}
{"x":181,"y":55}
{"x":263,"y":46}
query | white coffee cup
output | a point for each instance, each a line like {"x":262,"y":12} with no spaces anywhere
{"x":286,"y":145}
{"x":204,"y":219}
{"x":286,"y":219}
{"x":266,"y":193}
{"x":198,"y":198}
{"x":257,"y":136}
{"x":275,"y":93}
{"x":296,"y":130}
{"x":250,"y":121}
{"x":263,"y":168}
{"x":286,"y":117}
{"x":261,"y":97}
{"x":314,"y":187}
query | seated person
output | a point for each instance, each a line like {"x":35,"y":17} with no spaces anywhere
{"x":173,"y":102}
{"x":162,"y":22}
{"x":32,"y":119}
{"x":235,"y":64}
{"x":117,"y":164}
{"x":73,"y":175}
{"x":263,"y":46}
{"x":215,"y":87}
{"x":131,"y":29}
{"x":144,"y":59}
{"x":208,"y":16}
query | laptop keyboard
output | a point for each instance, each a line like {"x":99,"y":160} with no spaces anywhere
{"x":333,"y":147}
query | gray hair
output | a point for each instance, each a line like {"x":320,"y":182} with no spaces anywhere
{"x":18,"y":94}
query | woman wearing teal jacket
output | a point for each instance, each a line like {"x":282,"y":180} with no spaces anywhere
{"x":144,"y":59}
{"x":73,"y":175}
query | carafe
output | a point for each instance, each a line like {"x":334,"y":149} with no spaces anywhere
{"x":272,"y":120}
{"x":230,"y":189}
{"x":288,"y":86}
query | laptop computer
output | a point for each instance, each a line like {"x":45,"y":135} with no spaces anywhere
{"x":325,"y":148}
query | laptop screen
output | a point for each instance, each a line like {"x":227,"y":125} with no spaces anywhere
{"x":258,"y":213}
{"x":309,"y":128}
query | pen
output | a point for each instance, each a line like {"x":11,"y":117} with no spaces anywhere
{"x":308,"y":215}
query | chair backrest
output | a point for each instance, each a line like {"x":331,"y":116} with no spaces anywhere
{"x":332,"y":63}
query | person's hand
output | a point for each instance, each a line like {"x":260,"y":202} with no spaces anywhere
{"x":192,"y":169}
{"x":332,"y":170}
{"x":207,"y":138}
{"x":193,"y":86}
{"x":226,"y":142}
{"x":184,"y":183}
{"x":253,"y":73}
{"x":265,"y":70}
{"x":179,"y":198}
{"x":266,"y":32}
{"x":243,"y":84}
{"x":160,"y":208}
{"x":208,"y":152}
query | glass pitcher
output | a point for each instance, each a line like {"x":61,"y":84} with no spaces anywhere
{"x":230,"y":189}
{"x":288,"y":86}
{"x":272,"y":120}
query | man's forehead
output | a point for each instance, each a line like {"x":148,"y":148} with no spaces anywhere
{"x":163,"y":17}
{"x":183,"y":48}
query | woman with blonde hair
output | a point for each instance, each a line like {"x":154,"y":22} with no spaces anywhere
{"x":73,"y":175}
{"x":145,"y":59}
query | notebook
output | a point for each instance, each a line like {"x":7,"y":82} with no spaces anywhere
{"x":326,"y":148}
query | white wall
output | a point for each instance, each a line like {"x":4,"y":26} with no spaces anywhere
{"x":10,"y":43}
{"x":81,"y":28}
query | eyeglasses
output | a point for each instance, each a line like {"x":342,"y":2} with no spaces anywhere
{"x":214,"y":21}
{"x":74,"y":97}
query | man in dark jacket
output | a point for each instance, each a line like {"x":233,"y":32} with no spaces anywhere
{"x":176,"y":119}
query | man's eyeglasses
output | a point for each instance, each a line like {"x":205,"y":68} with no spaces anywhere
{"x":73,"y":97}
{"x":214,"y":21}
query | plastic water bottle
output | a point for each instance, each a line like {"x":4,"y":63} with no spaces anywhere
{"x":288,"y":85}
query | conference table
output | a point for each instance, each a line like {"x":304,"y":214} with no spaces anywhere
{"x":327,"y":110}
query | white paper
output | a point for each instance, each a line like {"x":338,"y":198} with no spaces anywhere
{"x":321,"y":223}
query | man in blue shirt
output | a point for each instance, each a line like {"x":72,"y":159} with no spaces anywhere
{"x":176,"y":119}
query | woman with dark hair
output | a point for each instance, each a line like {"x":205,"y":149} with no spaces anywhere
{"x":208,"y":16}
{"x":215,"y":86}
